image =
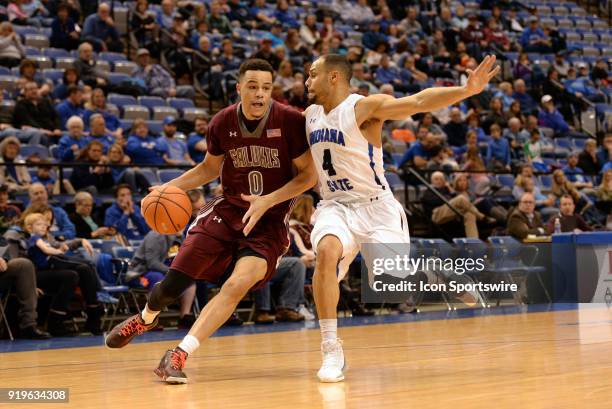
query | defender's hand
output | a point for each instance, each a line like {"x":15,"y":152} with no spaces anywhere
{"x":258,"y":206}
{"x":480,"y":77}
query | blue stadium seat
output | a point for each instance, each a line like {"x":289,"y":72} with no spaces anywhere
{"x":166,"y":175}
{"x":111,"y":57}
{"x":116,"y":78}
{"x":4,"y":71}
{"x":546,"y":181}
{"x":55,"y":53}
{"x":151,"y":176}
{"x":180,"y":103}
{"x":23,"y":30}
{"x":32,"y":51}
{"x":123,"y":252}
{"x":151,"y":102}
{"x":121,"y":100}
{"x":30,"y":150}
{"x":126,"y":124}
{"x":394,"y":181}
{"x":506,"y":180}
{"x":579,"y":143}
{"x":53,"y":74}
{"x":155,"y":127}
{"x":108,"y":245}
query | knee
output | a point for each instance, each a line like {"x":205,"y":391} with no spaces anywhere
{"x":23,"y":265}
{"x":236,"y":287}
{"x":329,"y":252}
{"x":69,"y":277}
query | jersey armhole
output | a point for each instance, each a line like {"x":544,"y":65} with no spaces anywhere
{"x":353,"y":118}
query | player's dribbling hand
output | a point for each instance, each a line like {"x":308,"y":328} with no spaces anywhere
{"x":258,"y":206}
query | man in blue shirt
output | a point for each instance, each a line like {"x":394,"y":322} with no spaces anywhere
{"x":533,"y":39}
{"x":62,"y":227}
{"x":72,"y":143}
{"x":175,"y":151}
{"x":99,"y":29}
{"x":550,"y":117}
{"x":420,"y":152}
{"x":196,"y":142}
{"x":574,"y":174}
{"x":71,"y":106}
{"x":124,"y":215}
{"x":498,"y":150}
{"x":98,"y":131}
{"x":143,"y":148}
{"x":528,"y":104}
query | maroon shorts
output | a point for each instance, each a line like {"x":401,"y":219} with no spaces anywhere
{"x":215,"y":239}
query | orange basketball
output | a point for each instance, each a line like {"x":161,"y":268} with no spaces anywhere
{"x":166,"y":209}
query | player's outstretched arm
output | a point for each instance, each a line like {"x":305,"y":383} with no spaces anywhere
{"x":206,"y":171}
{"x":305,"y":179}
{"x":385,"y":107}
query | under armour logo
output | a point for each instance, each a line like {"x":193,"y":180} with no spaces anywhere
{"x":233,"y":134}
{"x":313,"y":120}
{"x":217,"y":219}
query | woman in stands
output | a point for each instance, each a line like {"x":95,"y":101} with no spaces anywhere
{"x":485,"y":204}
{"x":561,"y":186}
{"x":97,"y":105}
{"x":143,"y":147}
{"x":94,"y":176}
{"x":11,"y":49}
{"x":132,"y":176}
{"x":16,"y":177}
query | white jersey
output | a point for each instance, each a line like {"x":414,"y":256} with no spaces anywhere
{"x":350,"y":169}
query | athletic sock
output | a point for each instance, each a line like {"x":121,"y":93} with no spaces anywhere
{"x":189,"y":344}
{"x":147,"y":315}
{"x":329,"y":329}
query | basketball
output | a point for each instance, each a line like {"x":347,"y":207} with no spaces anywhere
{"x":167,"y":209}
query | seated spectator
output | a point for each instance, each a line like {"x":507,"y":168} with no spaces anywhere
{"x":524,"y":220}
{"x":604,"y":153}
{"x":410,"y":25}
{"x":308,"y":30}
{"x":495,"y":116}
{"x":124,"y":215}
{"x":99,"y":30}
{"x":588,"y":160}
{"x":543,"y":202}
{"x":19,"y":274}
{"x":89,"y":222}
{"x":494,"y":35}
{"x":157,"y":80}
{"x":16,"y":177}
{"x":604,"y":195}
{"x":473,"y":36}
{"x":28,"y":71}
{"x":73,"y":142}
{"x":442,"y":159}
{"x":70,"y":78}
{"x":575,"y":174}
{"x":165,"y":14}
{"x":52,"y":257}
{"x":72,"y":106}
{"x":295,"y":48}
{"x":570,"y":221}
{"x":360,"y":77}
{"x":290,"y":274}
{"x":35,"y":116}
{"x":61,"y":228}
{"x":417,"y":78}
{"x":419,"y":152}
{"x":11,"y":49}
{"x":517,"y":138}
{"x":174,"y":44}
{"x":533,"y":152}
{"x":561,"y":186}
{"x":227,"y":59}
{"x":130,"y":176}
{"x":44,"y":177}
{"x":485,"y":204}
{"x":142,"y":147}
{"x":473,"y":122}
{"x":94,"y":175}
{"x":196,"y":142}
{"x":63,"y":29}
{"x":98,"y":132}
{"x":441,"y":213}
{"x":87,"y":70}
{"x":97,"y":105}
{"x":473,"y":162}
{"x":265,"y":52}
{"x":218,"y":21}
{"x":524,"y":70}
{"x":143,"y":25}
{"x":297,"y":96}
{"x":9,"y":213}
{"x":550,"y":117}
{"x":498,"y":150}
{"x":456,"y":129}
{"x":533,"y":39}
{"x":528,"y":104}
{"x":175,"y":151}
{"x":284,"y":76}
{"x":515,"y":112}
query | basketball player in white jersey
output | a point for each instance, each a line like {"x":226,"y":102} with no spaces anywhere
{"x":344,"y":132}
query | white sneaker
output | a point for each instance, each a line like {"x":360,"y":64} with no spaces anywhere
{"x":308,"y":316}
{"x":333,"y":361}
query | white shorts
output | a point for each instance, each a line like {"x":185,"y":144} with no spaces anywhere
{"x":380,"y":221}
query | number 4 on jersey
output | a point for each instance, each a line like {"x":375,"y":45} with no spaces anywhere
{"x":327,"y":163}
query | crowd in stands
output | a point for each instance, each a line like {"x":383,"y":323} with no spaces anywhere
{"x":105,"y":94}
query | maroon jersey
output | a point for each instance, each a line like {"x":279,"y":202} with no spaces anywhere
{"x":257,"y":162}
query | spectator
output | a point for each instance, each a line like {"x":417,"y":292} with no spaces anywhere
{"x":440,"y":211}
{"x":485,"y":204}
{"x":142,"y":147}
{"x":498,"y":151}
{"x":473,"y":122}
{"x":131,"y":176}
{"x":19,"y":273}
{"x":72,"y":106}
{"x":308,"y":31}
{"x":166,"y":14}
{"x":533,"y":152}
{"x":460,"y":21}
{"x":284,"y":76}
{"x":61,"y":228}
{"x":93,"y":176}
{"x":410,"y":24}
{"x":524,"y":220}
{"x":70,"y":78}
{"x":373,"y":36}
{"x":419,"y":153}
{"x":517,"y":138}
{"x":28,"y":71}
{"x":217,"y":20}
{"x":604,"y":196}
{"x":11,"y":49}
{"x":227,"y":59}
{"x":297,"y":97}
{"x":97,"y":105}
{"x":561,"y":186}
{"x":86,"y":220}
{"x":561,"y":65}
{"x":505,"y":94}
{"x":9,"y":213}
{"x":494,"y":35}
{"x":124,"y":215}
{"x":441,"y":159}
{"x":72,"y":143}
{"x":175,"y":151}
{"x":196,"y":142}
{"x":36,"y":116}
{"x":523,"y":69}
{"x":16,"y":177}
{"x":98,"y":132}
{"x":588,"y":160}
{"x":533,"y":39}
{"x":528,"y":104}
{"x":144,"y":27}
{"x":157,"y":80}
{"x":361,"y":78}
{"x":604,"y":154}
{"x":515,"y":112}
{"x":99,"y":30}
{"x":473,"y":36}
{"x":550,"y":117}
{"x":495,"y":116}
{"x":575,"y":174}
{"x":86,"y":67}
{"x":43,"y":176}
{"x":265,"y":53}
{"x":63,"y":29}
{"x":456,"y":129}
{"x":570,"y":222}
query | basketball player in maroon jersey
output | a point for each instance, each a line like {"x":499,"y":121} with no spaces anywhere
{"x":260,"y":149}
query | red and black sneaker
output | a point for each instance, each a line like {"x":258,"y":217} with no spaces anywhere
{"x":171,"y":365}
{"x":123,"y":333}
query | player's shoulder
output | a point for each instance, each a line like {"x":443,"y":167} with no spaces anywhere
{"x":224,"y":115}
{"x":291,"y":114}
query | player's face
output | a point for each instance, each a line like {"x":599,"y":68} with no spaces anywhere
{"x":317,"y":83}
{"x":255,"y":89}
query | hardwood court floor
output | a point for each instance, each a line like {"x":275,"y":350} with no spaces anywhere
{"x":549,"y":360}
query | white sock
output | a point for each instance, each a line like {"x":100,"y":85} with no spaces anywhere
{"x":329,"y":329}
{"x":147,"y":315}
{"x":189,"y":344}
